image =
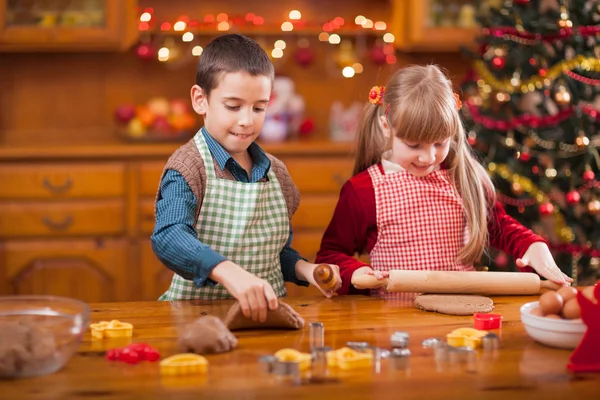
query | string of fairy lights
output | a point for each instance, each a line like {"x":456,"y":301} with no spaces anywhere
{"x":330,"y":31}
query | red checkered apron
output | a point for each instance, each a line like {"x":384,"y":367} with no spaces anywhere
{"x":421,"y":223}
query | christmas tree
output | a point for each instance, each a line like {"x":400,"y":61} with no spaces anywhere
{"x":532,"y":110}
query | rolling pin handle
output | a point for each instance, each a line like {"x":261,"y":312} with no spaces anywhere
{"x":369,"y":282}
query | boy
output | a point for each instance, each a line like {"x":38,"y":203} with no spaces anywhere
{"x":224,"y":206}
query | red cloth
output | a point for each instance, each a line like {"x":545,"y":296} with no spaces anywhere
{"x":353,"y":230}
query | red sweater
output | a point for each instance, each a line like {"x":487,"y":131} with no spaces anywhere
{"x":353,"y":230}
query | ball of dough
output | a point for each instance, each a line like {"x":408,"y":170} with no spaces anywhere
{"x":206,"y":335}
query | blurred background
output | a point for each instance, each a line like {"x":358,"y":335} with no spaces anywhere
{"x":94,"y":97}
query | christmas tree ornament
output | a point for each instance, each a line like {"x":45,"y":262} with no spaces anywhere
{"x":562,"y":96}
{"x":546,"y":208}
{"x":564,"y":21}
{"x":595,"y":263}
{"x":510,"y":139}
{"x":472,"y":138}
{"x":593,"y":207}
{"x":498,"y":62}
{"x":582,"y":141}
{"x":517,"y":188}
{"x":524,"y":154}
{"x":573,"y":197}
{"x":588,"y":175}
{"x":550,"y":173}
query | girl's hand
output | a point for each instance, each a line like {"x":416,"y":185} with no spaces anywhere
{"x":380,"y":275}
{"x":539,"y":258}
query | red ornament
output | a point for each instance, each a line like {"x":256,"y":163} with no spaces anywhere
{"x":304,"y":56}
{"x":546,"y":208}
{"x":588,"y":176}
{"x":498,"y":62}
{"x":525,"y":156}
{"x":573,"y":197}
{"x":472,"y":140}
{"x":521,"y":2}
{"x":377,"y":55}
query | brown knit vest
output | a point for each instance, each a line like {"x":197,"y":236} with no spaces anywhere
{"x":188,"y":162}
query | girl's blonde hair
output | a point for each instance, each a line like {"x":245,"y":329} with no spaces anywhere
{"x":420,"y":107}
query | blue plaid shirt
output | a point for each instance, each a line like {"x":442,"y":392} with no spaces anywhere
{"x":175,"y":241}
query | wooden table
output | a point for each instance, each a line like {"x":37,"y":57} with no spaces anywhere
{"x":522,"y":368}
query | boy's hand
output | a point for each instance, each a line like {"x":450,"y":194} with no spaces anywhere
{"x":336,"y":276}
{"x":369,"y":271}
{"x":539,"y":258}
{"x":255,"y":295}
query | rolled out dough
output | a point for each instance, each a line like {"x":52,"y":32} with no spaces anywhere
{"x":454,"y":304}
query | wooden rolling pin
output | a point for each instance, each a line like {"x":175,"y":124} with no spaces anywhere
{"x":471,"y":282}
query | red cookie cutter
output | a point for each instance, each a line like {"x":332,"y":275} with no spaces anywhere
{"x":487,"y":321}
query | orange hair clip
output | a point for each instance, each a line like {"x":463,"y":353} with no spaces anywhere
{"x":376,"y":95}
{"x":458,"y":102}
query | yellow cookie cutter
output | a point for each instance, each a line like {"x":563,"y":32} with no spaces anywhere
{"x":112,"y":329}
{"x":292,"y":355}
{"x":184,"y":364}
{"x":468,"y":337}
{"x":346,"y":358}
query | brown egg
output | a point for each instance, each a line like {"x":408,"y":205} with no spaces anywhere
{"x":589,"y":293}
{"x":571,"y":309}
{"x":553,"y":316}
{"x":550,"y":303}
{"x":536,"y":311}
{"x":567,"y":293}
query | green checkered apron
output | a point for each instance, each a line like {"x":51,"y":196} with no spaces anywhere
{"x":247,"y":223}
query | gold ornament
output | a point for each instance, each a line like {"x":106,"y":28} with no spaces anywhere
{"x":593,"y":207}
{"x":595,"y":263}
{"x":538,"y":81}
{"x":510,"y":139}
{"x":517,"y":188}
{"x":564,"y":232}
{"x":582,"y":141}
{"x":502,"y":97}
{"x":529,"y":142}
{"x":562,"y":96}
{"x":565,"y":23}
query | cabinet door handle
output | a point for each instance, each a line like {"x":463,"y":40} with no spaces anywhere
{"x":56,"y":189}
{"x":58,"y":225}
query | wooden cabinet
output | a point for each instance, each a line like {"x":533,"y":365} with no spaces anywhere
{"x":77,"y":222}
{"x":434,"y":25}
{"x":88,"y":269}
{"x":85,"y":25}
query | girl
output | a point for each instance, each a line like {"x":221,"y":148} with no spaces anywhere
{"x":418,"y":198}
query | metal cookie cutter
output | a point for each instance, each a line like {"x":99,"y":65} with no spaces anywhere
{"x":358,"y":345}
{"x":286,"y":368}
{"x":267,"y":363}
{"x":432,"y":342}
{"x":400,"y":358}
{"x":491,"y":341}
{"x":400,"y":339}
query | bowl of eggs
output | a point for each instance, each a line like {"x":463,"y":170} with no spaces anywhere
{"x":554,"y":320}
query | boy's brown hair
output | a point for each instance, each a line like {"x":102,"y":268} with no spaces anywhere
{"x":231,"y":53}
